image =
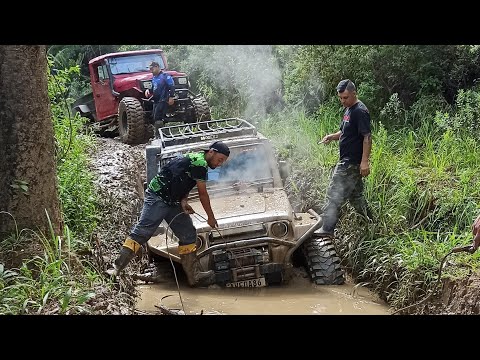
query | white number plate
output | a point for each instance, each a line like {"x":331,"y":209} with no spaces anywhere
{"x":260,"y":282}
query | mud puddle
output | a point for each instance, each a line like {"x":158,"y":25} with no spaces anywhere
{"x":298,"y":297}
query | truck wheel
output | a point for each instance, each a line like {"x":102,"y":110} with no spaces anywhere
{"x":322,"y":261}
{"x":202,"y":111}
{"x":131,"y":125}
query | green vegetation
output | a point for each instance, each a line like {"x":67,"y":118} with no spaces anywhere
{"x":57,"y":281}
{"x":423,"y":185}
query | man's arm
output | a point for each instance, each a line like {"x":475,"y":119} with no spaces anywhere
{"x":185,"y":206}
{"x":367,"y":149}
{"x":327,"y":138}
{"x":205,"y":200}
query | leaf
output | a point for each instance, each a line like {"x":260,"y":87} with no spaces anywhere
{"x":45,"y":298}
{"x":85,"y":297}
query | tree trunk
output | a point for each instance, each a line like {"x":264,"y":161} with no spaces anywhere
{"x":28,"y":177}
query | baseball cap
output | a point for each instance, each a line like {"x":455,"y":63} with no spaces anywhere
{"x":219,"y":147}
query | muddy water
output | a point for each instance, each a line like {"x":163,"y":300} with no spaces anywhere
{"x":298,"y":297}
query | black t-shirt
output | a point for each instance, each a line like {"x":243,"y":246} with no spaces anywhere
{"x":179,"y":176}
{"x":354,"y":126}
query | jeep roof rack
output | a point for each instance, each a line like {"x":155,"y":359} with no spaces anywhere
{"x":205,"y":130}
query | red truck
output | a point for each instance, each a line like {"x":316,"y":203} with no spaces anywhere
{"x":117,"y":103}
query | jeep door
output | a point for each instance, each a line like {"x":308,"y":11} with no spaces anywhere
{"x":105,"y":102}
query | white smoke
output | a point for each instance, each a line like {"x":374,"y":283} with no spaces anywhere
{"x":252,"y":71}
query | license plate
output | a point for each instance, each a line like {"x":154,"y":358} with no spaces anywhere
{"x":260,"y":282}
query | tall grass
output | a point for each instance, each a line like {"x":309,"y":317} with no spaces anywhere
{"x":50,"y":277}
{"x":45,"y":284}
{"x":75,"y":180}
{"x":423,"y":188}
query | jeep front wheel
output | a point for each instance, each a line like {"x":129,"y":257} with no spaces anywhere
{"x":131,"y":121}
{"x":323,"y":264}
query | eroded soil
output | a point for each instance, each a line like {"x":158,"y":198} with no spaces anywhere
{"x":121,"y":172}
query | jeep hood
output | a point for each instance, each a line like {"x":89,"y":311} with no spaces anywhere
{"x":271,"y":204}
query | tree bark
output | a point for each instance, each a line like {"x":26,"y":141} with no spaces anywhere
{"x":28,"y":177}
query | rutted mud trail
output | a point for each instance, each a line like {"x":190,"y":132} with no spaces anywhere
{"x":299,"y":297}
{"x":120,"y":170}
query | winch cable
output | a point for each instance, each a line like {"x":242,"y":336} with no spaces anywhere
{"x":171,"y":261}
{"x":467,"y":248}
{"x":225,"y":243}
{"x":170,"y":257}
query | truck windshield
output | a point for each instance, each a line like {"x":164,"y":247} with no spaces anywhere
{"x":245,"y":164}
{"x":133,"y":63}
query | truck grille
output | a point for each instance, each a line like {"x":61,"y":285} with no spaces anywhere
{"x":238,"y":233}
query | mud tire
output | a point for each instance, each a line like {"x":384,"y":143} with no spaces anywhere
{"x":322,"y":262}
{"x":131,"y":123}
{"x":202,"y":111}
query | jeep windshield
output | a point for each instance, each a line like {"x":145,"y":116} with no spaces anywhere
{"x":134,"y":63}
{"x":246,"y":166}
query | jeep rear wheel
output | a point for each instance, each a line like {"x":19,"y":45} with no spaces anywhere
{"x":202,"y":110}
{"x":131,"y":124}
{"x":323,"y":264}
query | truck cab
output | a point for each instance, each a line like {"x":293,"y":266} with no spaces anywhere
{"x":117,"y":102}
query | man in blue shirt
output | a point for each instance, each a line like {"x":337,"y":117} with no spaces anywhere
{"x":163,"y":92}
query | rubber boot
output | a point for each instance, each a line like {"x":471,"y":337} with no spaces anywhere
{"x":127,"y":253}
{"x":191,"y":266}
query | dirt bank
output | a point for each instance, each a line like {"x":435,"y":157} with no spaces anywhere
{"x":119,"y":170}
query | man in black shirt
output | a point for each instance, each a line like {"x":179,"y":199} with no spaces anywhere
{"x":355,"y":147}
{"x":166,"y":199}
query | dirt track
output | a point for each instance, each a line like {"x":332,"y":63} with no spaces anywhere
{"x":121,"y":171}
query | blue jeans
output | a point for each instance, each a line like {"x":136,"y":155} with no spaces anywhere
{"x":346,"y":184}
{"x":159,"y":111}
{"x":154,"y":211}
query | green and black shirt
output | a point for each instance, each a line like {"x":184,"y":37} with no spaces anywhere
{"x":179,"y":176}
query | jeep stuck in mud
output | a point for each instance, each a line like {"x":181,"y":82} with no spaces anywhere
{"x":258,"y":232}
{"x":117,"y":104}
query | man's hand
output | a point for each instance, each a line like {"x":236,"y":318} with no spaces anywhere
{"x":364,"y":168}
{"x":326,"y":139}
{"x":212,"y":222}
{"x":147,"y":93}
{"x":187,"y":209}
{"x":171,"y":101}
{"x":476,"y":233}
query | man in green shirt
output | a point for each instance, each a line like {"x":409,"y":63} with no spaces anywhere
{"x":166,"y":199}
